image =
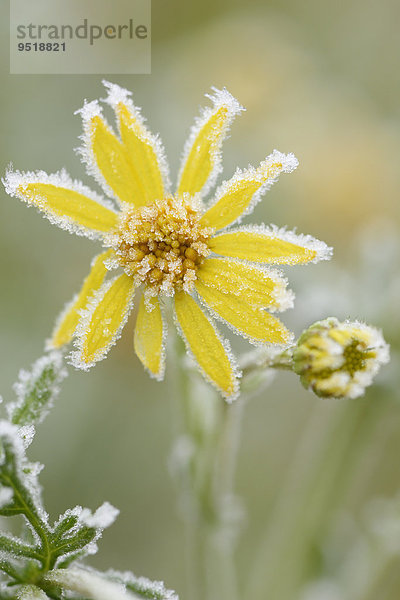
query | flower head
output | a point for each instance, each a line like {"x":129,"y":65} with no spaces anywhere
{"x":169,"y":244}
{"x":339,"y":360}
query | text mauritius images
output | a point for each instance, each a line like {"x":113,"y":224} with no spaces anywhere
{"x":84,"y":31}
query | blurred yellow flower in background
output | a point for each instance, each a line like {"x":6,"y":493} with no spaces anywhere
{"x":172,"y":245}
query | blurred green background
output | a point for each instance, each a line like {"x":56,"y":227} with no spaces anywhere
{"x":319,"y":79}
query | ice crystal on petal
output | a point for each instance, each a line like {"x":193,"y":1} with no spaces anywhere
{"x":16,"y":180}
{"x":323,"y":252}
{"x":84,"y":329}
{"x":88,"y":111}
{"x":231,"y":357}
{"x":287,"y":163}
{"x":219,"y":98}
{"x":117,"y":95}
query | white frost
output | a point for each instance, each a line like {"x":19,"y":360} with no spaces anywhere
{"x":117,"y":95}
{"x":84,"y":327}
{"x":88,"y":583}
{"x":289,"y":163}
{"x":103,"y":517}
{"x":17,"y":179}
{"x":219,"y":98}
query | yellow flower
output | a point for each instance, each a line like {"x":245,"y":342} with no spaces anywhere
{"x":169,"y":245}
{"x":339,"y":360}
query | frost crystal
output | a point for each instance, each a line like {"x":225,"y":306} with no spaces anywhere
{"x":104,"y":516}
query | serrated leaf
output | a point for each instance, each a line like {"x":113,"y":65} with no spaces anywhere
{"x":37,"y":389}
{"x":142,"y":587}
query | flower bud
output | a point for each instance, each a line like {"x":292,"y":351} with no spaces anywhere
{"x":339,"y":360}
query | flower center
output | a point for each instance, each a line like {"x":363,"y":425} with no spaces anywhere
{"x":354,"y":357}
{"x":163,"y":244}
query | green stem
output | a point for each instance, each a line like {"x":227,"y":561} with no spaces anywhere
{"x":27,"y":507}
{"x":210,"y":428}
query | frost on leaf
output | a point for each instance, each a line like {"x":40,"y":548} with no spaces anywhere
{"x":143,"y":587}
{"x":18,"y":475}
{"x":73,"y":536}
{"x":36,"y":390}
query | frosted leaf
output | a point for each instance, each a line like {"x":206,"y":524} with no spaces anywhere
{"x":89,"y":583}
{"x":31,"y":592}
{"x":17,"y":179}
{"x":143,"y":587}
{"x":6,"y":495}
{"x":76,"y":532}
{"x":104,"y":516}
{"x":17,"y":472}
{"x":36,"y":390}
{"x":27,"y":433}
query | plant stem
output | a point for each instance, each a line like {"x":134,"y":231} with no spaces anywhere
{"x":209,"y":429}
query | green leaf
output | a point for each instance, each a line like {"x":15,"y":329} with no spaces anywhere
{"x":141,"y":586}
{"x":37,"y":389}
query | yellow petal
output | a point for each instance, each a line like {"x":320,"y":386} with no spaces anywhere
{"x":261,"y":289}
{"x":67,"y":203}
{"x":69,"y":318}
{"x":144,"y":150}
{"x":254,"y":323}
{"x":102,"y":325}
{"x":108,"y":159}
{"x":205,"y":345}
{"x":272,"y":247}
{"x":113,"y":161}
{"x":203,"y":150}
{"x":148,"y":339}
{"x":240,"y":194}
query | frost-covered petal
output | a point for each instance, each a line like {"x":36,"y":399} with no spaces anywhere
{"x":269,"y":245}
{"x":254,"y":323}
{"x":204,"y":343}
{"x":69,"y":318}
{"x":238,"y":196}
{"x":65,"y":202}
{"x":260,"y":288}
{"x":145,"y":151}
{"x":202,"y":153}
{"x":103,"y":320}
{"x":107,"y":159}
{"x":149,"y":336}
